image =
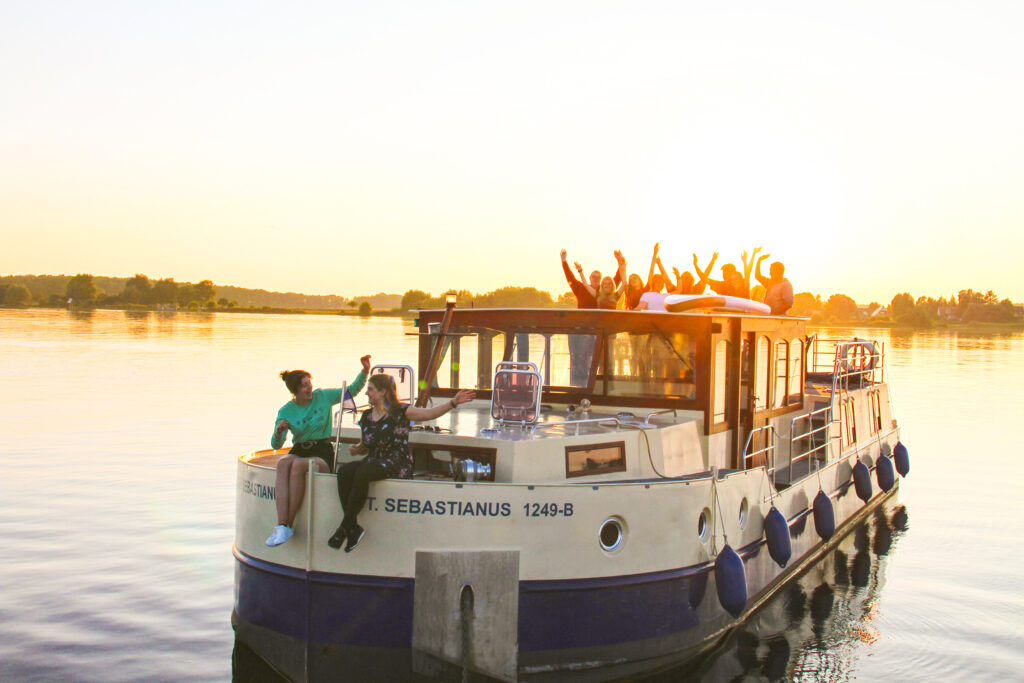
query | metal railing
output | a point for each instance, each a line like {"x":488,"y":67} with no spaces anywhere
{"x":814,"y":434}
{"x":848,"y":361}
{"x":768,"y":450}
{"x":606,"y":421}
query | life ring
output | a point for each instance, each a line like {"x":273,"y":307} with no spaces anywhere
{"x":870,"y":354}
{"x":677,"y":303}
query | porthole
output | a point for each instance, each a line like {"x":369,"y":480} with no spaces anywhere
{"x":703,"y":528}
{"x":612,"y":535}
{"x":744,"y":513}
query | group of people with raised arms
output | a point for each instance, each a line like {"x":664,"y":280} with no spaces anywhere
{"x":384,"y":445}
{"x":632,"y":292}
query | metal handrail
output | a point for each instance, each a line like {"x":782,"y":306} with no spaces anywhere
{"x":769,"y":449}
{"x":594,"y":420}
{"x":824,"y":428}
{"x":647,"y":419}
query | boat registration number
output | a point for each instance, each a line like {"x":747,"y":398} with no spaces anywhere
{"x":547,"y":510}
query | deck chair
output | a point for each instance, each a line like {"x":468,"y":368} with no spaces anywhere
{"x":515,"y":397}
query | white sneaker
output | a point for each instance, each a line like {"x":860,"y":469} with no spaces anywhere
{"x":279,"y":535}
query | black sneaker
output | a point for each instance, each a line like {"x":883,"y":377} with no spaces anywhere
{"x":354,"y":536}
{"x":338,"y":538}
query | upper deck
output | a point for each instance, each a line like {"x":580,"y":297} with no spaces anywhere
{"x":630,"y":359}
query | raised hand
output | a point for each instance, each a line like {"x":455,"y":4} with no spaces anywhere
{"x":463,"y":396}
{"x":365,"y":361}
{"x":563,"y":254}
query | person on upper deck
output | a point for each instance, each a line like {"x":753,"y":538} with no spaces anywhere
{"x":654,"y":299}
{"x":733,"y":283}
{"x":308,"y":417}
{"x":685,"y":281}
{"x":778,"y":290}
{"x":609,"y":296}
{"x":586,"y":295}
{"x":635,"y":286}
{"x":385,"y":443}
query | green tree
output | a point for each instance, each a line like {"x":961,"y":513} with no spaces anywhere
{"x":187,"y":295}
{"x":81,"y":290}
{"x":901,"y":305}
{"x":841,"y":307}
{"x":413,"y":299}
{"x":204,"y":291}
{"x":136,"y":290}
{"x":516,"y":297}
{"x":806,"y":304}
{"x":365,"y":308}
{"x":16,"y":295}
{"x":165,"y":292}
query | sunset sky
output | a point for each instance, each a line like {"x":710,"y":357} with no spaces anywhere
{"x":351,"y":148}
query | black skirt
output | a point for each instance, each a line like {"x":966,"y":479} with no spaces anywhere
{"x":318,"y":448}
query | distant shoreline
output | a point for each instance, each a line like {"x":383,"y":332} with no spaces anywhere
{"x":1015,"y":326}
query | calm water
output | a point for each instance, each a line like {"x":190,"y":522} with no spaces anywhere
{"x":117,"y":500}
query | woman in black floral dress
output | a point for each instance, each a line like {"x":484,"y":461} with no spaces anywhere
{"x":385,"y":442}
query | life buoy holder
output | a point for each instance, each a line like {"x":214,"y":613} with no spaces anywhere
{"x":848,"y":361}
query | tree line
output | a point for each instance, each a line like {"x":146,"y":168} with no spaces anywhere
{"x":84,"y":290}
{"x":904,"y":310}
{"x":88,"y":290}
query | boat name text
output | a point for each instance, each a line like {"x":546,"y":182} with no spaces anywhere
{"x":259,"y":490}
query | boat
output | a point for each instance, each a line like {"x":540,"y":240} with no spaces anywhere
{"x":626,"y":488}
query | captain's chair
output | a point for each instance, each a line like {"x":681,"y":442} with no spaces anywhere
{"x":515,"y":397}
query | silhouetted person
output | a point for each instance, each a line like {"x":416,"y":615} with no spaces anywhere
{"x":609,"y":296}
{"x":586,"y":295}
{"x":731,"y":283}
{"x":778,"y":290}
{"x":635,"y":287}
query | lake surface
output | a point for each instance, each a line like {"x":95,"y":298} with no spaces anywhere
{"x":117,"y":483}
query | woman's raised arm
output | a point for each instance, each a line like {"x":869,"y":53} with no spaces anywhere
{"x":433,"y":412}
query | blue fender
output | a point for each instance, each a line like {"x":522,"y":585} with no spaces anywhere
{"x":776,"y":533}
{"x":902,"y":458}
{"x":731,"y":581}
{"x":824,"y":516}
{"x":885,"y":474}
{"x":862,"y":481}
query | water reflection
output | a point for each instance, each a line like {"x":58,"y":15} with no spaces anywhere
{"x":811,"y":628}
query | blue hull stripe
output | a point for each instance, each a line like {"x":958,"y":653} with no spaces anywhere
{"x":374,"y":611}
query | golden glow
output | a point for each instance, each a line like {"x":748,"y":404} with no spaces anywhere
{"x":357,"y":150}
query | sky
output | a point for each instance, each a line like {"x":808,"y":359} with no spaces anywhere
{"x":351,"y":148}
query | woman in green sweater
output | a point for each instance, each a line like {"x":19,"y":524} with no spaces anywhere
{"x":308,"y":417}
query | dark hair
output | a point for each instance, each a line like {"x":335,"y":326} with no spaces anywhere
{"x":386,"y":383}
{"x":293,"y":379}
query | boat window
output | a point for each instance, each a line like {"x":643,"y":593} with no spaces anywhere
{"x":850,"y":422}
{"x":761,"y":375}
{"x":480,"y":350}
{"x":876,"y":412}
{"x":721,"y":361}
{"x":653,"y":364}
{"x":796,"y":387}
{"x":563,"y":359}
{"x":583,"y":461}
{"x":781,"y":373}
